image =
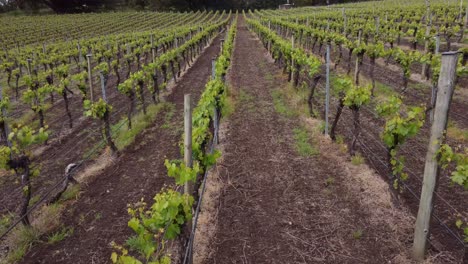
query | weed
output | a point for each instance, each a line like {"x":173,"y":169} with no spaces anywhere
{"x":169,"y":114}
{"x":329,"y":181}
{"x":327,"y":191}
{"x":94,"y":151}
{"x":60,"y":235}
{"x":72,"y":193}
{"x":245,"y":97}
{"x":16,"y":254}
{"x":269,"y":77}
{"x":339,"y":139}
{"x":34,"y":199}
{"x":5,"y":222}
{"x":321,"y":127}
{"x":280,"y":105}
{"x":357,"y":234}
{"x":457,"y":133}
{"x":418,"y":86}
{"x":81,"y":219}
{"x":228,"y":104}
{"x":357,"y":159}
{"x":302,"y":140}
{"x":20,"y":241}
{"x":97,"y":216}
{"x":124,"y":136}
{"x":247,"y":101}
{"x":315,"y":112}
{"x":383,"y":90}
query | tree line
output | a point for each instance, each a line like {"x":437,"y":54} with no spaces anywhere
{"x":76,"y":6}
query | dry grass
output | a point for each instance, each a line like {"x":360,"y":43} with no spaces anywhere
{"x":101,"y":163}
{"x":457,"y":133}
{"x":47,"y":219}
{"x":19,"y":241}
{"x":373,"y":192}
{"x":461,"y":93}
{"x":208,"y":218}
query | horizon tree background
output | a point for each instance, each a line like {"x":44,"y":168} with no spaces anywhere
{"x":76,"y":6}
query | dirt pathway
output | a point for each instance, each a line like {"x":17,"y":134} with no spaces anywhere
{"x":100,"y":215}
{"x":288,"y":197}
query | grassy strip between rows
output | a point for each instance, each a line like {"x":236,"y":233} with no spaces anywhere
{"x":166,"y":217}
{"x":48,"y":217}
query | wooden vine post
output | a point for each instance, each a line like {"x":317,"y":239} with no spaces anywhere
{"x":292,"y":60}
{"x":344,"y":21}
{"x":466,"y":17}
{"x":103,"y":85}
{"x":188,"y":187}
{"x":269,"y":41}
{"x":216,"y":110}
{"x":460,"y":16}
{"x":356,"y":68}
{"x":446,"y":85}
{"x":213,"y":70}
{"x":29,"y":60}
{"x":80,"y":54}
{"x":426,"y":36}
{"x":153,"y":51}
{"x":434,"y":86}
{"x":5,"y":128}
{"x":90,"y":79}
{"x":377,"y":25}
{"x":463,"y":24}
{"x":327,"y":88}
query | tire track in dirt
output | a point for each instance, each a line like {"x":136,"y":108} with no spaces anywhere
{"x":277,"y":206}
{"x":100,"y":216}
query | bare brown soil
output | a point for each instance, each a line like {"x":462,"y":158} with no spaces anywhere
{"x":99,"y":216}
{"x":67,"y":145}
{"x":450,"y":199}
{"x":276,"y":206}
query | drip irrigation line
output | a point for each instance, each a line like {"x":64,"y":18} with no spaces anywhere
{"x":50,"y":190}
{"x":410,"y":171}
{"x":189,"y":247}
{"x":459,"y":240}
{"x":375,"y":114}
{"x":32,"y":208}
{"x":80,"y":140}
{"x":384,"y":67}
{"x":18,"y":114}
{"x":416,"y":176}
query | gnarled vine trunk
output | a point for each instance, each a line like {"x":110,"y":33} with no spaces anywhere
{"x":131,"y":107}
{"x":67,"y":109}
{"x":339,"y":110}
{"x":311,"y":94}
{"x":356,"y":130}
{"x":21,"y":164}
{"x":107,"y":132}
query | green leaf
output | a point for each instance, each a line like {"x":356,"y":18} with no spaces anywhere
{"x":114,"y":257}
{"x":134,"y":224}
